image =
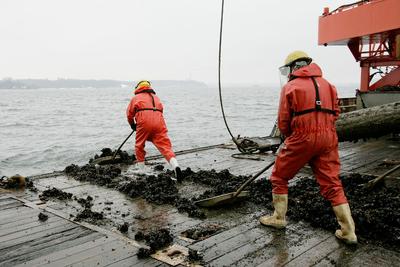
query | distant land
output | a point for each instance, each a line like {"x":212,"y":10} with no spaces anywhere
{"x":9,"y":83}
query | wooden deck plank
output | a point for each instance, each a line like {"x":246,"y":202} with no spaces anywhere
{"x":11,"y":206}
{"x":222,"y":236}
{"x":4,"y":196}
{"x":277,"y":246}
{"x":38,"y":227}
{"x":315,"y":254}
{"x":135,"y":261}
{"x":23,"y":225}
{"x":232,"y":244}
{"x":68,"y":239}
{"x":361,"y":256}
{"x":246,"y":243}
{"x":85,"y":254}
{"x":373,"y":166}
{"x":68,"y":252}
{"x":116,"y":254}
{"x":363,"y":164}
{"x":368,"y":153}
{"x":152,"y":263}
{"x":6,"y":201}
{"x":31,"y":197}
{"x":19,"y":248}
{"x":288,"y":247}
{"x":26,"y":213}
{"x":13,"y":211}
{"x":46,"y":230}
{"x":131,"y":261}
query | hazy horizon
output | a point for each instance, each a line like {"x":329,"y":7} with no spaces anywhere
{"x":210,"y":84}
{"x":165,"y":40}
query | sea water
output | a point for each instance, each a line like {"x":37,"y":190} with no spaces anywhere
{"x":44,"y":130}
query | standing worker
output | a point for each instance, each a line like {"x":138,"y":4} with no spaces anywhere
{"x":145,"y":115}
{"x":308,"y":110}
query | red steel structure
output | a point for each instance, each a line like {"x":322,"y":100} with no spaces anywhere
{"x":371,"y":30}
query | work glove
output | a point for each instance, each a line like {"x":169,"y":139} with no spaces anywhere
{"x":133,"y":126}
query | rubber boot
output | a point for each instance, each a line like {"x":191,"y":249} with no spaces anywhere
{"x":347,"y":231}
{"x":177,"y":169}
{"x":278,"y":219}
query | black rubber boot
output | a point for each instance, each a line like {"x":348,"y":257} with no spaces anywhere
{"x":178,"y":174}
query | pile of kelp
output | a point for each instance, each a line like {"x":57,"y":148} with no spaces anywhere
{"x":123,"y":156}
{"x":376,"y":213}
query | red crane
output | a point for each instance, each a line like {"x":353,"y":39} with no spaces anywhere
{"x":371,"y":30}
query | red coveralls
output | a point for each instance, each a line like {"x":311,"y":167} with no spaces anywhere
{"x":310,"y":137}
{"x":150,"y":124}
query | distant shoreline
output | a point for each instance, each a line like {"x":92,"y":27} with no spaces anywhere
{"x":9,"y":83}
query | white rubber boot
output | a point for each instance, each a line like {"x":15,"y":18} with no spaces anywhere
{"x":278,"y":219}
{"x":175,"y":166}
{"x":141,"y":167}
{"x":347,"y":228}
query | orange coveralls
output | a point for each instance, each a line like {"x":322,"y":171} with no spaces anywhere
{"x":150,"y":123}
{"x":310,"y":137}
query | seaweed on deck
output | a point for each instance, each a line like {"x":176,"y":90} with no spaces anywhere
{"x":376,"y":213}
{"x":123,"y":228}
{"x":203,"y":231}
{"x":156,"y":239}
{"x":101,"y":175}
{"x":108,"y":152}
{"x":160,"y":189}
{"x":155,"y":189}
{"x":55,"y":193}
{"x":42,"y":217}
{"x":195,"y":257}
{"x":87,"y":214}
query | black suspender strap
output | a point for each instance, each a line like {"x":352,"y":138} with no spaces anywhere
{"x":150,"y":92}
{"x":152,"y":100}
{"x":153,"y":109}
{"x":317,"y":99}
{"x":318,"y":107}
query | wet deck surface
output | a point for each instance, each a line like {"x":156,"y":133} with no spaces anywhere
{"x":62,"y":242}
{"x":27,"y":241}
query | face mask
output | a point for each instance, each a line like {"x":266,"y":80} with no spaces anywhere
{"x":284,"y":73}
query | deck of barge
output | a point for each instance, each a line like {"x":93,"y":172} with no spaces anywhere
{"x":60,"y":241}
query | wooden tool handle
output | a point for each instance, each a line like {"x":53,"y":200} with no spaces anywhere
{"x":373,"y":182}
{"x":252,"y":179}
{"x":116,"y":151}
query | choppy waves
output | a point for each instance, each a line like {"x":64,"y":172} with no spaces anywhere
{"x":44,"y":130}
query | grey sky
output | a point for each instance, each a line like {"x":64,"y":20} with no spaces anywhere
{"x":164,"y":39}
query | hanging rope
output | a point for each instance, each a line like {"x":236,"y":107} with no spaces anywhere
{"x":245,"y":145}
{"x":219,"y":71}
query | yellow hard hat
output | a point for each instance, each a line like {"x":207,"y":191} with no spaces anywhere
{"x":296,"y":55}
{"x":143,"y":83}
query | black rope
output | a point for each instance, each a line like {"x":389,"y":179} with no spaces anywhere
{"x":243,"y":145}
{"x":219,"y":71}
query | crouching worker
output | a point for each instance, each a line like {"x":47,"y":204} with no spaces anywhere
{"x":145,"y":115}
{"x":308,"y":110}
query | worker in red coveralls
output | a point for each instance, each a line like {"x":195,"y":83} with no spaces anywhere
{"x":308,"y":110}
{"x":145,"y":115}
